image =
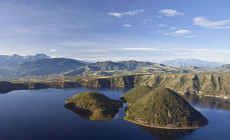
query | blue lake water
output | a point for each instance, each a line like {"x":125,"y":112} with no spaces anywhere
{"x":40,"y":114}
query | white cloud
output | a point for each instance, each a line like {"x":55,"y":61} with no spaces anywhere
{"x":127,"y":25}
{"x":180,"y":32}
{"x":115,"y":14}
{"x":53,"y":50}
{"x":204,"y":22}
{"x":130,"y":13}
{"x":134,"y":12}
{"x":162,"y":25}
{"x":170,"y":12}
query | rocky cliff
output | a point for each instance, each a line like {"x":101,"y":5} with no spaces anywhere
{"x":201,"y":84}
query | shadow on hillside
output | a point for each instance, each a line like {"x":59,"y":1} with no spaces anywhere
{"x":96,"y":115}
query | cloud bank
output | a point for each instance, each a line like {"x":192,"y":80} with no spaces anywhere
{"x":129,"y":13}
{"x":171,"y":12}
{"x":180,"y":32}
{"x":204,"y":22}
{"x":127,"y":25}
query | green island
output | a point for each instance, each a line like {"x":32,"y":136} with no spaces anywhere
{"x":162,"y":108}
{"x":93,"y":105}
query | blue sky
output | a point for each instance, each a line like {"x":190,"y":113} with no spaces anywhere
{"x":98,"y":30}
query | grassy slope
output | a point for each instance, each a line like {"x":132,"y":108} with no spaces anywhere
{"x":98,"y":106}
{"x":164,"y":108}
{"x":135,"y":94}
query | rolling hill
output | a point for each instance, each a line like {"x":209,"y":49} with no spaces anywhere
{"x":121,"y":67}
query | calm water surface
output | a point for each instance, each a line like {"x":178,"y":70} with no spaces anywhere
{"x":40,"y":114}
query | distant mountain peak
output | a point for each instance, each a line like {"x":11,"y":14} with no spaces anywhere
{"x":37,"y":56}
{"x":41,"y":55}
{"x":15,"y":56}
{"x":191,"y":62}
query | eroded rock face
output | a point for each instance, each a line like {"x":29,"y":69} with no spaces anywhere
{"x":163,"y":108}
{"x":202,"y":84}
{"x":93,"y":105}
{"x":8,"y":86}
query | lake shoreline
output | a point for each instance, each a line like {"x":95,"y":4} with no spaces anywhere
{"x":27,"y":88}
{"x":159,"y":127}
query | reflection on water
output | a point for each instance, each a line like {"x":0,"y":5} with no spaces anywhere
{"x":83,"y":113}
{"x":210,"y":102}
{"x":167,"y":133}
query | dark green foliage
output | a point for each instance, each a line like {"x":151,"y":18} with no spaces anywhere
{"x":122,"y":65}
{"x":165,"y":108}
{"x":7,"y":86}
{"x":38,"y":85}
{"x":78,"y":71}
{"x":196,"y":82}
{"x":93,"y":105}
{"x":128,"y":81}
{"x":135,"y":94}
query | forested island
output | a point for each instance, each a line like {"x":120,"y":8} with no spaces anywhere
{"x":158,"y":108}
{"x":93,"y":105}
{"x":161,"y":108}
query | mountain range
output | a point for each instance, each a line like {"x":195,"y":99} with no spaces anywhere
{"x":47,"y":66}
{"x":191,"y":62}
{"x":43,"y":65}
{"x":10,"y":61}
{"x":35,"y":65}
